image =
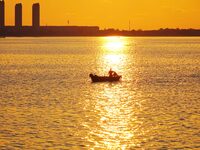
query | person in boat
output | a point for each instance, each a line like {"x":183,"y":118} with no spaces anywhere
{"x":112,"y":73}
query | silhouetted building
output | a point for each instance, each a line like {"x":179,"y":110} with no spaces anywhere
{"x":18,"y":15}
{"x":36,"y":15}
{"x":2,"y":13}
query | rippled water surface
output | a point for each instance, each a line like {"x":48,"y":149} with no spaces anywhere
{"x":47,"y":100}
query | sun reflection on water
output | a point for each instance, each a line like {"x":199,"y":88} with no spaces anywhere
{"x":113,"y":104}
{"x":116,"y":124}
{"x":114,"y":121}
{"x":113,"y":59}
{"x":113,"y":54}
{"x":114,"y":44}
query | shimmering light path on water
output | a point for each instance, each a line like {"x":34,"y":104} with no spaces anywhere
{"x":47,"y":100}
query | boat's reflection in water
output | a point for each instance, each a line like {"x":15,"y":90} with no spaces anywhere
{"x":115,"y":108}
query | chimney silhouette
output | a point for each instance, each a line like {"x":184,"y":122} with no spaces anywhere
{"x":36,"y":15}
{"x":18,"y":15}
{"x":2,"y":13}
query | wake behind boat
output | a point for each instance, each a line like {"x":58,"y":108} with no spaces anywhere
{"x":113,"y":76}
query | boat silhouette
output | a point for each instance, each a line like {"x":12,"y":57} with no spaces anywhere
{"x":96,"y":78}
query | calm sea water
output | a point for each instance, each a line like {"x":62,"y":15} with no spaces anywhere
{"x":47,"y":100}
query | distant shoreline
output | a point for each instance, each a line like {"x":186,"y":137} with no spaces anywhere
{"x":66,"y":31}
{"x":1,"y":37}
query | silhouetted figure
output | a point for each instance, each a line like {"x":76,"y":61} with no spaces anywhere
{"x":110,"y":72}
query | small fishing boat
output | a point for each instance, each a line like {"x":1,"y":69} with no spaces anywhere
{"x":96,"y":78}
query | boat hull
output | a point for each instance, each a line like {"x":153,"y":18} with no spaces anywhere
{"x":96,"y":78}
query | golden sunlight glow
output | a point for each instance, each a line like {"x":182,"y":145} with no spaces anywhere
{"x":113,"y":54}
{"x":114,"y":43}
{"x":113,"y":59}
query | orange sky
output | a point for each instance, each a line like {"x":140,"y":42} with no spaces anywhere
{"x":143,"y":14}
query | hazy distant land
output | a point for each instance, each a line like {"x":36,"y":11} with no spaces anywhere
{"x":9,"y":31}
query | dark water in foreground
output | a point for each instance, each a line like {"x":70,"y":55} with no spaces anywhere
{"x":47,"y":100}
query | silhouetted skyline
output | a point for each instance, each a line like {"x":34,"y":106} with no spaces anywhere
{"x":37,"y":30}
{"x":10,"y":31}
{"x":19,"y":14}
{"x":142,"y":14}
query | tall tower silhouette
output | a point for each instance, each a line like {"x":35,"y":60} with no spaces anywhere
{"x":2,"y":13}
{"x":36,"y":15}
{"x":18,"y":15}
